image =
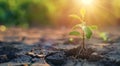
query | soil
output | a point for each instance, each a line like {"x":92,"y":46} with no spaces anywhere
{"x":52,"y":47}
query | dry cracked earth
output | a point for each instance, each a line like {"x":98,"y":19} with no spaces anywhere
{"x":29,"y":47}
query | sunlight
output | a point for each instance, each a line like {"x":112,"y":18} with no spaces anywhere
{"x":87,"y":2}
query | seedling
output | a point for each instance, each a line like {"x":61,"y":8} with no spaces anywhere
{"x":104,"y":36}
{"x":82,"y":30}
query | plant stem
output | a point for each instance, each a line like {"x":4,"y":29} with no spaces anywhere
{"x":82,"y":46}
{"x":83,"y":43}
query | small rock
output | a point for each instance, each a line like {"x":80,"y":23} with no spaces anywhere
{"x":56,"y":59}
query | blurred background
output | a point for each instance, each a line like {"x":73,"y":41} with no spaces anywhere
{"x":55,"y":13}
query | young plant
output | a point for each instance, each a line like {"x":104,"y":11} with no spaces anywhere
{"x":82,"y":30}
{"x":104,"y":36}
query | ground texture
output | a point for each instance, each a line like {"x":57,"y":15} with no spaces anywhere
{"x":30,"y":47}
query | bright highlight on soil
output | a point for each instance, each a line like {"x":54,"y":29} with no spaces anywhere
{"x":87,"y":2}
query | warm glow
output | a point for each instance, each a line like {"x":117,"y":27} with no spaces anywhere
{"x":3,"y":28}
{"x":87,"y":2}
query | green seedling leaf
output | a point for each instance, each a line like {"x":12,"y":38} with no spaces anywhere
{"x":75,"y":16}
{"x":104,"y":36}
{"x":93,"y":27}
{"x":87,"y":31}
{"x":75,"y":33}
{"x":83,"y":12}
{"x":77,"y":26}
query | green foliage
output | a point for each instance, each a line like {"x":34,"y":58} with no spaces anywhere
{"x":104,"y":36}
{"x":75,"y":16}
{"x":23,"y":13}
{"x":93,"y":27}
{"x":76,"y":33}
{"x":2,"y":14}
{"x":88,"y":32}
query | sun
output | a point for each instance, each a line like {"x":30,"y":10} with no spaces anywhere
{"x":87,"y":2}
